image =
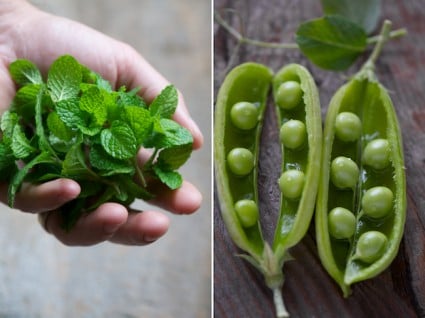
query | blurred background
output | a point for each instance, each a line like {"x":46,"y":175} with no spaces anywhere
{"x":40,"y":277}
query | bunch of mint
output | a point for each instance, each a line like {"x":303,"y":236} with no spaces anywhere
{"x":74,"y":125}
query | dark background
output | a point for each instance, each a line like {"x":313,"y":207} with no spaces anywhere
{"x":239,"y":289}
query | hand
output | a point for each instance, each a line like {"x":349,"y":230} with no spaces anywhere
{"x":41,"y":37}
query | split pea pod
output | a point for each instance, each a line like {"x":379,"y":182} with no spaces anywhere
{"x":300,"y":131}
{"x":361,"y":204}
{"x":239,"y":111}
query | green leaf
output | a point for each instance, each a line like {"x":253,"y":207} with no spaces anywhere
{"x":101,"y":82}
{"x":70,"y":113}
{"x":58,"y":128}
{"x":25,"y":100}
{"x":74,"y":165}
{"x":174,"y":157}
{"x":119,"y":140}
{"x":171,"y":179}
{"x":130,"y":98}
{"x":7,"y":161}
{"x":64,"y":78}
{"x":25,"y":72}
{"x":19,"y":177}
{"x":43,"y":142}
{"x":21,"y":146}
{"x":9,"y":120}
{"x":165,"y":104}
{"x":365,"y":13}
{"x":108,"y":165}
{"x":331,"y":42}
{"x":139,"y":120}
{"x":92,"y":102}
{"x":173,"y":135}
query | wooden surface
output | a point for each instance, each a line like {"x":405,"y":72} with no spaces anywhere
{"x":239,"y":290}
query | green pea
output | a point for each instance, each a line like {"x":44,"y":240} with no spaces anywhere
{"x":289,"y":95}
{"x":342,"y":223}
{"x":348,"y":126}
{"x":240,"y":161}
{"x":377,"y":154}
{"x":371,"y":246}
{"x":291,"y":184}
{"x":293,"y":134}
{"x":247,"y":211}
{"x":244,"y":115}
{"x":344,"y":173}
{"x":377,"y":202}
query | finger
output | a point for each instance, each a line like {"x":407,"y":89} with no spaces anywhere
{"x":135,"y":71}
{"x":46,"y":196}
{"x":95,"y":227}
{"x":184,"y":200}
{"x":141,"y":228}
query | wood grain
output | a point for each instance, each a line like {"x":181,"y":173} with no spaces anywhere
{"x":239,"y":290}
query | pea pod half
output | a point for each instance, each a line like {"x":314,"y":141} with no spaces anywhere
{"x":236,"y":145}
{"x":298,"y":113}
{"x":247,"y":83}
{"x":361,"y":202}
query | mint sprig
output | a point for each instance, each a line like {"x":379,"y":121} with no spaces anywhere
{"x":74,"y":125}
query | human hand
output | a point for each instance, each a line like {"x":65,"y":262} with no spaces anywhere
{"x":40,"y":37}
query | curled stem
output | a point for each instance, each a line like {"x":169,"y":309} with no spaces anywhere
{"x":277,"y":45}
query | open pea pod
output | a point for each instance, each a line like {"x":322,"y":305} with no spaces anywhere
{"x":239,"y":111}
{"x":299,"y":117}
{"x":361,"y":204}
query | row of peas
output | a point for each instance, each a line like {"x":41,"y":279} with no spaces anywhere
{"x":241,"y":161}
{"x":376,"y":203}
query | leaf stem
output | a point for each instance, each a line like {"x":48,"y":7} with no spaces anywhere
{"x":383,"y":38}
{"x":242,"y":39}
{"x":393,"y":35}
{"x":139,"y":173}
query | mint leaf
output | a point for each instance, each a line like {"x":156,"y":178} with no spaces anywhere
{"x":70,"y":113}
{"x":7,"y":161}
{"x":130,"y":98}
{"x":64,"y":78}
{"x":173,"y":135}
{"x":19,"y":177}
{"x":25,"y":100}
{"x":74,"y":165}
{"x":139,"y":120}
{"x":119,"y":140}
{"x":58,"y":128}
{"x":365,"y":13}
{"x":174,"y":157}
{"x":171,"y":179}
{"x":165,"y":104}
{"x":108,"y":165}
{"x":91,"y":101}
{"x":21,"y":146}
{"x":331,"y":42}
{"x":8,"y":121}
{"x":101,"y":83}
{"x":24,"y":72}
